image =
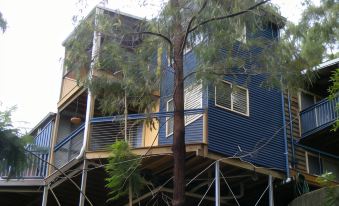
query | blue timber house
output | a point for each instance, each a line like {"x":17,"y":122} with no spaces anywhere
{"x":237,"y":136}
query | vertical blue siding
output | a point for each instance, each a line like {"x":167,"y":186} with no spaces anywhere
{"x":43,"y":139}
{"x":194,"y":130}
{"x":193,"y":133}
{"x":230,"y":133}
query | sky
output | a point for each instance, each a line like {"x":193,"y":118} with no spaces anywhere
{"x":31,"y":50}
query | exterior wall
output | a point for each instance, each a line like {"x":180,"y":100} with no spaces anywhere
{"x":194,"y":130}
{"x":151,"y":131}
{"x":68,"y":85}
{"x":300,"y":158}
{"x":43,"y":139}
{"x":230,"y":133}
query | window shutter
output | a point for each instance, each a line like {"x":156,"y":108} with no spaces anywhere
{"x":223,"y":95}
{"x":232,"y":97}
{"x":169,"y":120}
{"x":239,"y":96}
{"x":193,"y":100}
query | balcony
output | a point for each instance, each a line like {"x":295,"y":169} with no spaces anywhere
{"x":318,"y":116}
{"x":316,"y":122}
{"x":37,"y":156}
{"x":104,"y":131}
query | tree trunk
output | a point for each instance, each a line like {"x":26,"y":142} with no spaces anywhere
{"x":178,"y":148}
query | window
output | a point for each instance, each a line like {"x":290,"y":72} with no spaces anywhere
{"x":314,"y":165}
{"x":307,"y":99}
{"x":193,"y":42}
{"x":193,"y":100}
{"x":318,"y":165}
{"x":232,"y":97}
{"x":242,"y":34}
{"x":169,"y":120}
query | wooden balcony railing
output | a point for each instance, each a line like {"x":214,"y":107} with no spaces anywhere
{"x":318,"y":116}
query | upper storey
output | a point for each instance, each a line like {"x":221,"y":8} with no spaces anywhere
{"x":88,"y":41}
{"x":318,"y":113}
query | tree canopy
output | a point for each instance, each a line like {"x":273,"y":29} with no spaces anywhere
{"x":130,"y":56}
{"x":12,"y":152}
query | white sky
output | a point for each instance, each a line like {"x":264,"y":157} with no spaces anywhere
{"x":30,"y":51}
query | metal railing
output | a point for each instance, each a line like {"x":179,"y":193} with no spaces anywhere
{"x":69,"y":147}
{"x":104,"y":131}
{"x":319,"y":116}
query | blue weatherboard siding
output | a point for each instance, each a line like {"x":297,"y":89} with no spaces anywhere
{"x":194,"y":130}
{"x":43,"y":139}
{"x":193,"y":133}
{"x":230,"y":133}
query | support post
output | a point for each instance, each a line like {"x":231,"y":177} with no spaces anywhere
{"x":217,"y":183}
{"x":83,"y":183}
{"x":126,"y":116}
{"x":270,"y":195}
{"x":45,"y":196}
{"x":130,"y":193}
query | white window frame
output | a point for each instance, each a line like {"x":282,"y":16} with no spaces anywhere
{"x":307,"y":162}
{"x":315,"y":96}
{"x":231,"y":109}
{"x":323,"y":159}
{"x":197,"y":116}
{"x":243,"y":36}
{"x":168,"y":118}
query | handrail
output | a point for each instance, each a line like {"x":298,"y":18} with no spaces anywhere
{"x":321,"y":102}
{"x":144,"y":116}
{"x":319,"y":116}
{"x":119,"y":118}
{"x":69,"y":137}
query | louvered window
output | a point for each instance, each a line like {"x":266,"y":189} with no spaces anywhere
{"x":193,"y":100}
{"x":169,"y":120}
{"x":232,"y":97}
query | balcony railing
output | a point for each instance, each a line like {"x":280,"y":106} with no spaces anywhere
{"x":37,"y":155}
{"x":69,"y":147}
{"x":318,"y":116}
{"x":105,"y":131}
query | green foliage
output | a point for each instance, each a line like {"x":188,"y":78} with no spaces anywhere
{"x":124,"y":64}
{"x":332,"y":192}
{"x":319,"y":30}
{"x":12,"y":153}
{"x":3,"y":23}
{"x":130,"y":50}
{"x":334,"y":91}
{"x":122,"y":168}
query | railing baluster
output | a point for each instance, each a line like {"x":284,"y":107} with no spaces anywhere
{"x":318,"y":115}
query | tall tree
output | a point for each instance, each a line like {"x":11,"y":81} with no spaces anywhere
{"x":216,"y":31}
{"x":317,"y":35}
